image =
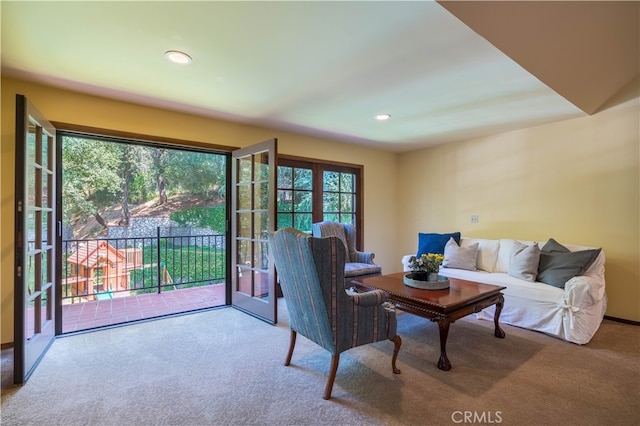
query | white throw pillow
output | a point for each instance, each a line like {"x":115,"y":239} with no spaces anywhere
{"x":460,"y":257}
{"x":487,"y":252}
{"x":504,"y":254}
{"x":524,"y":261}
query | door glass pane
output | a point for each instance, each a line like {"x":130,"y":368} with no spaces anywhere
{"x":31,"y":145}
{"x":51,"y":304}
{"x":244,"y":254}
{"x":38,"y":230}
{"x":44,"y":231}
{"x":261,"y":279}
{"x":331,"y":181}
{"x":285,"y":220}
{"x":333,"y":217}
{"x":304,"y":202}
{"x":347,"y":218}
{"x":30,"y":227}
{"x":31,"y":186}
{"x":244,"y":225}
{"x":346,"y":203}
{"x":29,"y":320}
{"x":347,"y":182}
{"x":244,"y":197}
{"x":44,"y":272}
{"x":285,"y":179}
{"x":261,"y":196}
{"x":260,"y":255}
{"x":285,"y":201}
{"x":303,"y":179}
{"x":331,"y":202}
{"x":244,"y":170}
{"x":30,"y":275}
{"x":244,"y":280}
{"x":261,"y":220}
{"x":44,"y":195}
{"x":49,"y":234}
{"x":261,"y":167}
{"x":303,"y":222}
{"x":47,"y":152}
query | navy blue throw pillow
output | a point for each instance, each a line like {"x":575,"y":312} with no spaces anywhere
{"x":434,"y":243}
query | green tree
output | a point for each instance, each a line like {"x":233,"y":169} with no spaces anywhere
{"x":134,"y":168}
{"x":90,"y":178}
{"x":198,"y":173}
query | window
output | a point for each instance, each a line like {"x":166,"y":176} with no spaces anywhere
{"x":312,"y":191}
{"x":339,"y":196}
{"x":295,"y":197}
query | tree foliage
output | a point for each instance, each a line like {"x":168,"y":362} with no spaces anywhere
{"x":98,"y":175}
{"x":90,"y":178}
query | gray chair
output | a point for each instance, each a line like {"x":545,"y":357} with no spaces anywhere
{"x":311,"y":274}
{"x":358,"y":264}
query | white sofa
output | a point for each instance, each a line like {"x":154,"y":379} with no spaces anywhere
{"x":573,"y":313}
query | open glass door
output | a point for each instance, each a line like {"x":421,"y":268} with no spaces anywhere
{"x":35,"y":216}
{"x":253,"y":218}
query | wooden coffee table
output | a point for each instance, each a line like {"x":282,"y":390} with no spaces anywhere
{"x":442,"y":306}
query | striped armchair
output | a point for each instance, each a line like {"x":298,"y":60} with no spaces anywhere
{"x":311,"y":274}
{"x":358,"y":264}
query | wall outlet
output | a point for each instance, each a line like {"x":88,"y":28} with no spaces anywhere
{"x":474,"y":218}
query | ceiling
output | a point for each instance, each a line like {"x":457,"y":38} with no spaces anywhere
{"x":445,"y":71}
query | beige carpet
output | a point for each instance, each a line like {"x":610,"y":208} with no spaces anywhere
{"x":223,"y":367}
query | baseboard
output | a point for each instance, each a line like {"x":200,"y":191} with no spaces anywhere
{"x":6,"y":345}
{"x":626,"y":321}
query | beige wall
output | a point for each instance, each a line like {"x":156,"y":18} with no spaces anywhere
{"x":576,"y":181}
{"x":380,"y":178}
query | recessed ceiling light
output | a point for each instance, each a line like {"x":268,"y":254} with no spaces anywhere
{"x":177,"y":57}
{"x":382,"y":117}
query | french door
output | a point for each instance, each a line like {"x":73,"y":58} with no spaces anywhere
{"x":253,"y":218}
{"x":35,"y":239}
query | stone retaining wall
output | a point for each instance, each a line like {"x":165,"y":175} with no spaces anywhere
{"x":147,"y":228}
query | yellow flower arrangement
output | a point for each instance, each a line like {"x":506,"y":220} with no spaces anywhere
{"x":426,"y":262}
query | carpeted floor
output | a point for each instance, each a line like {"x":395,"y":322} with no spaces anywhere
{"x":223,"y":367}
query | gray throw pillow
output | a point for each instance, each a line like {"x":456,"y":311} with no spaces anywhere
{"x":524,"y":261}
{"x":558,"y":264}
{"x":552,"y":246}
{"x":460,"y":257}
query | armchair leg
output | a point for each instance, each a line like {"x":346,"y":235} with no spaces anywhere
{"x":397,"y":342}
{"x":335,"y":359}
{"x":292,"y":343}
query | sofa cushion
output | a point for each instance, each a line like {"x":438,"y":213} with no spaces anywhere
{"x":597,"y":267}
{"x":459,"y":257}
{"x":434,"y":243}
{"x":521,"y":292}
{"x":524,"y":261}
{"x":552,"y":246}
{"x":487,"y":252}
{"x":504,"y":254}
{"x":558,"y":264}
{"x":354,"y":269}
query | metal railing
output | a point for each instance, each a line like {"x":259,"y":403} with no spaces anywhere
{"x":110,"y":267}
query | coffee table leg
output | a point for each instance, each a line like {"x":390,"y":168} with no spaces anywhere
{"x":443,"y":362}
{"x":496,"y":318}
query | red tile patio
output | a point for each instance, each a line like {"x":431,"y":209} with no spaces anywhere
{"x":82,"y":316}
